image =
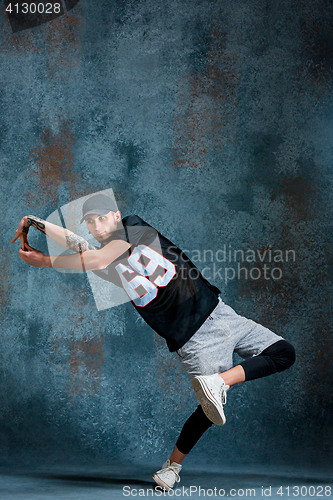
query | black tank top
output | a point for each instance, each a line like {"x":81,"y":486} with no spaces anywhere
{"x":165,"y":287}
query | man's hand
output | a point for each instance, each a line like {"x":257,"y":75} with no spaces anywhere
{"x":34,"y":257}
{"x":22,"y":233}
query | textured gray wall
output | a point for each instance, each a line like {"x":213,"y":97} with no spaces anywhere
{"x":212,"y":120}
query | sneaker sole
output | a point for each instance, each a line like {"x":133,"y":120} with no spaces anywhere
{"x":161,"y":483}
{"x":209,"y":405}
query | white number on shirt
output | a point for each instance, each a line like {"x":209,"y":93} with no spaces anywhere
{"x":155,"y":259}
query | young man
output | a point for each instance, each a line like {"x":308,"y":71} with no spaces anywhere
{"x":172,"y":296}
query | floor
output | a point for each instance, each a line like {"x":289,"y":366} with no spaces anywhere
{"x":79,"y":483}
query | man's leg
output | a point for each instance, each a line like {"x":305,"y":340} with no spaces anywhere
{"x":177,"y":456}
{"x":276,"y":358}
{"x":209,"y":351}
{"x":193,"y":429}
{"x":233,"y":376}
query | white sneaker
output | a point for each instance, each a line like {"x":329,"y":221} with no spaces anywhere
{"x":211,"y":391}
{"x":168,"y":475}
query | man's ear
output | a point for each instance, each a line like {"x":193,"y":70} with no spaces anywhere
{"x":118,"y":216}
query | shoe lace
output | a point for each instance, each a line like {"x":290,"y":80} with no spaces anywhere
{"x":224,"y":390}
{"x":170,"y":472}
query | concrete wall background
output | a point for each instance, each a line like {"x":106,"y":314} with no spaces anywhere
{"x":212,"y":121}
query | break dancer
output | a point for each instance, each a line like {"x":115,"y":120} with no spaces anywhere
{"x":177,"y":302}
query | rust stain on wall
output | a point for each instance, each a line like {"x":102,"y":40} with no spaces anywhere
{"x":22,"y":41}
{"x":85,"y":365}
{"x":52,"y":165}
{"x":80,"y":356}
{"x":299,"y":192}
{"x":209,"y":106}
{"x":270,"y":298}
{"x":298,"y":298}
{"x":167,"y":368}
{"x":63,"y":45}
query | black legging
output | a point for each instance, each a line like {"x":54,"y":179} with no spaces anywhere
{"x":276,"y":358}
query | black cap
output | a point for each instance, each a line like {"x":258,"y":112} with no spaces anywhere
{"x":98,"y":204}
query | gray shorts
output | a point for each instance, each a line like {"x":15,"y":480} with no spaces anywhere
{"x":211,"y":348}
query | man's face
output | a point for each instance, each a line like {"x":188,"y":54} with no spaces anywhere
{"x":102,"y":226}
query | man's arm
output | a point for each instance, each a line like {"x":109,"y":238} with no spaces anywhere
{"x":90,"y":260}
{"x":63,"y":236}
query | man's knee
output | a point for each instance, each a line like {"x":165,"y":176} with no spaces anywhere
{"x":286,"y":357}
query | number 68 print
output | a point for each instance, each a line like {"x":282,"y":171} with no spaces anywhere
{"x":142,"y":279}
